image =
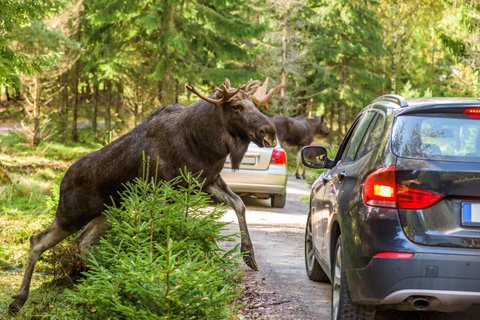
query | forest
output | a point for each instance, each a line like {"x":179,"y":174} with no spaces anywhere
{"x":77,"y":74}
{"x":65,"y":63}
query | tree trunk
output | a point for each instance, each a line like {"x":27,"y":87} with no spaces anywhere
{"x":393,"y":58}
{"x":137,"y":113}
{"x":341,"y":121}
{"x":108,"y":105}
{"x":285,"y":37}
{"x":166,"y":89}
{"x":7,"y":94}
{"x":36,"y":138}
{"x":75,"y":105}
{"x":160,"y":92}
{"x":118,"y":101}
{"x":331,"y":121}
{"x":63,"y":108}
{"x":94,"y":105}
{"x":177,"y":90}
{"x":302,"y":107}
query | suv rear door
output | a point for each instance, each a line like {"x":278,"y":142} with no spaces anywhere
{"x":445,"y":144}
{"x":342,"y":181}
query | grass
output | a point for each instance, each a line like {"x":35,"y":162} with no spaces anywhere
{"x":27,"y":206}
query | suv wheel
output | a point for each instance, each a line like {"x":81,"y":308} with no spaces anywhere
{"x":343,"y":307}
{"x":314,"y":271}
{"x":278,"y":200}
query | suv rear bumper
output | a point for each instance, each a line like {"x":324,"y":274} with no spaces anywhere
{"x":449,"y":282}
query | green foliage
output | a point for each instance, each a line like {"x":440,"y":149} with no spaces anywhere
{"x":155,"y":43}
{"x":161,"y":258}
{"x":28,"y":204}
{"x":19,"y":22}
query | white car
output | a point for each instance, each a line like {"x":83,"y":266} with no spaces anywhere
{"x":262,"y":174}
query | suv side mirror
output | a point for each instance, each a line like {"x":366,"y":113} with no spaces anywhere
{"x":315,"y":157}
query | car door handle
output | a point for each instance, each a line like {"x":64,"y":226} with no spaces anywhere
{"x":341,"y":175}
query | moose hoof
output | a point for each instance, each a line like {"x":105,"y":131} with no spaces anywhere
{"x":298,"y":176}
{"x":17,"y":304}
{"x":250,"y":261}
{"x":14,"y":308}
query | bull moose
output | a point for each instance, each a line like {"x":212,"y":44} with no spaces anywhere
{"x":197,"y":137}
{"x":299,"y":132}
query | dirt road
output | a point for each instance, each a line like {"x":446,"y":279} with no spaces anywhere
{"x":281,"y":289}
{"x":6,"y":128}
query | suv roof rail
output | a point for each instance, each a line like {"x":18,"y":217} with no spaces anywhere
{"x":401,"y":101}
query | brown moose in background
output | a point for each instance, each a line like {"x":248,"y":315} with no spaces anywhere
{"x":198,"y":137}
{"x":299,"y":132}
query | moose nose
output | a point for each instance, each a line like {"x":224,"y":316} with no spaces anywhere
{"x":267,"y":134}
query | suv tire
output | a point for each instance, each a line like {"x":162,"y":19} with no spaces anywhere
{"x":278,"y":200}
{"x":343,"y":307}
{"x":314,"y":270}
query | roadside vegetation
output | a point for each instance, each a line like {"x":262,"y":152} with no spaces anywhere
{"x":106,"y":64}
{"x":165,"y":256}
{"x":27,"y":206}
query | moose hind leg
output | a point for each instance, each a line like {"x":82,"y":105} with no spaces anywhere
{"x":39,"y":243}
{"x":222,"y":192}
{"x":92,"y":232}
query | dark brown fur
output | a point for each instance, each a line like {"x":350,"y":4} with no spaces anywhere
{"x":299,"y":132}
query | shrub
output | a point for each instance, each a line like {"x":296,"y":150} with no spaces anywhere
{"x":161,"y":258}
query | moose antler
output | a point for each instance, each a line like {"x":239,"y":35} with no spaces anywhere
{"x":250,"y":87}
{"x":224,"y":93}
{"x":261,"y":97}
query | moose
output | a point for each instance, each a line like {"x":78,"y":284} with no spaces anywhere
{"x":299,"y":132}
{"x":197,"y":137}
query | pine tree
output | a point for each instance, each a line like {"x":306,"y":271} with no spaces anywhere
{"x":346,"y":48}
{"x":17,"y":19}
{"x":154,"y":47}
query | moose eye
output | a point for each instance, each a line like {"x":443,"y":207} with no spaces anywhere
{"x":237,"y":107}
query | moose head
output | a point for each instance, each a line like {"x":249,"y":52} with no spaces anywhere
{"x":240,"y":115}
{"x":320,"y":124}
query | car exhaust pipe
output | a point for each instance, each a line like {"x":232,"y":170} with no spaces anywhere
{"x":420,"y":303}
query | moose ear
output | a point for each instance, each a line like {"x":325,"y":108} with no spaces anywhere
{"x":226,"y":83}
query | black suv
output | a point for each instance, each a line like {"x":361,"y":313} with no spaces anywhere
{"x":395,"y":220}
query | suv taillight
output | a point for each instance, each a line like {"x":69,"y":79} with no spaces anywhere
{"x":278,"y":157}
{"x":380,"y":189}
{"x":472,"y":113}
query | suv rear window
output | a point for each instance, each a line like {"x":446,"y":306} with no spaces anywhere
{"x":437,"y":137}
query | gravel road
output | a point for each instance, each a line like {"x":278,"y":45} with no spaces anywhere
{"x":281,"y":289}
{"x":6,"y":128}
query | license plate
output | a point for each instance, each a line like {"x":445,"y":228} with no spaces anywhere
{"x":471,"y":214}
{"x":249,"y":160}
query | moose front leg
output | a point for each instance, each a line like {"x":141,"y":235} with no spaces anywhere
{"x":222,"y":192}
{"x":299,"y":165}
